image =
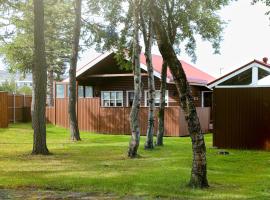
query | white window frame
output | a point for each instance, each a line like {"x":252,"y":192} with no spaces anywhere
{"x":166,"y":98}
{"x":110,"y":91}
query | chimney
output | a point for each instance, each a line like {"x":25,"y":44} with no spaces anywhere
{"x":265,"y":60}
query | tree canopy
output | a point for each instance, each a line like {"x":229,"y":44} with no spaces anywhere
{"x":17,"y":31}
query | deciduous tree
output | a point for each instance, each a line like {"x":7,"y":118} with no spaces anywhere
{"x":134,"y":114}
{"x":182,"y":20}
{"x":147,"y":31}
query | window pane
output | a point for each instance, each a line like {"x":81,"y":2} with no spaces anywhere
{"x":80,"y":91}
{"x":130,"y":98}
{"x":60,"y":91}
{"x":262,"y":73}
{"x":88,"y":91}
{"x":119,"y":103}
{"x":113,"y":95}
{"x":106,"y":103}
{"x":244,"y":78}
{"x":106,"y":95}
{"x":119,"y":95}
{"x":112,"y":103}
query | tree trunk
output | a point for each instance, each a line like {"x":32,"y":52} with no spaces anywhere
{"x":199,"y":170}
{"x":74,"y":129}
{"x":161,"y":128}
{"x":148,"y":41}
{"x":149,"y":144}
{"x":39,"y":82}
{"x":134,"y":115}
{"x":50,"y":86}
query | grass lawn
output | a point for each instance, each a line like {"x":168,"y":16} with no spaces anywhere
{"x":99,"y":164}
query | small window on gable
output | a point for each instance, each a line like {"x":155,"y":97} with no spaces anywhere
{"x":244,"y":78}
{"x":60,"y":91}
{"x":262,"y":73}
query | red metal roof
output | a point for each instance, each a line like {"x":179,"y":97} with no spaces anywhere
{"x":194,"y":75}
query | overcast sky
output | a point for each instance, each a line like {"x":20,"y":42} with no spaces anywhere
{"x":246,"y":37}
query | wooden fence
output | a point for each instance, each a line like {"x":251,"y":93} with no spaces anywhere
{"x":94,"y":118}
{"x":242,"y":118}
{"x":19,"y":108}
{"x":4,"y":110}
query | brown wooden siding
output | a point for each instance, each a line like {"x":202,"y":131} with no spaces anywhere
{"x":94,"y":118}
{"x":4,"y":110}
{"x":241,"y":118}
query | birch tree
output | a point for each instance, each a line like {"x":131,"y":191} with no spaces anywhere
{"x":147,"y":31}
{"x":134,"y":114}
{"x":182,"y":20}
{"x":162,"y":100}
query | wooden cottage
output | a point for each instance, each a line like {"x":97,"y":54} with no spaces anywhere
{"x":105,"y":96}
{"x":241,"y":105}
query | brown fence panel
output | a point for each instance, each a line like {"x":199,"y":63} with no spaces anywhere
{"x":50,"y":115}
{"x":61,"y":106}
{"x":204,"y":118}
{"x":88,"y":114}
{"x":172,"y":121}
{"x":241,"y":118}
{"x":92,"y":117}
{"x":4,"y":120}
{"x":111,"y":120}
{"x":20,"y":105}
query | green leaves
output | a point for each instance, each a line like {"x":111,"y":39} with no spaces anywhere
{"x":17,"y":48}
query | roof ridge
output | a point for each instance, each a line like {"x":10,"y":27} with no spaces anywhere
{"x":90,"y":61}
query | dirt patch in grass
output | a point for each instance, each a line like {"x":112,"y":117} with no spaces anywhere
{"x":28,"y":194}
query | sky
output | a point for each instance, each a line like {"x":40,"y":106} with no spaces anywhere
{"x":245,"y":38}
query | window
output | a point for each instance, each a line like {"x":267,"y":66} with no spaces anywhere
{"x":262,"y":73}
{"x":157,"y":98}
{"x":88,"y":91}
{"x":130,"y":97}
{"x":80,"y":91}
{"x":244,"y":78}
{"x":112,"y":98}
{"x":60,"y":91}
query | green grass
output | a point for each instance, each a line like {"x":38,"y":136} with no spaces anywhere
{"x":99,"y":164}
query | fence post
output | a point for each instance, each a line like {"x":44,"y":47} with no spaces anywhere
{"x":24,"y":100}
{"x":14,"y":107}
{"x":54,"y":84}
